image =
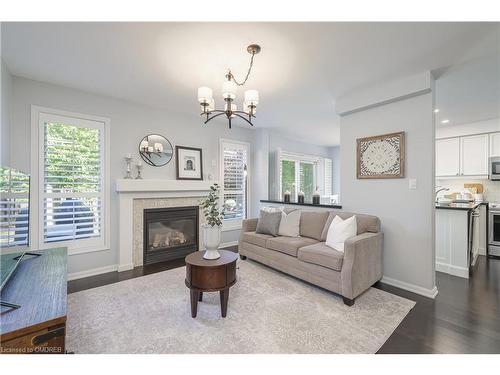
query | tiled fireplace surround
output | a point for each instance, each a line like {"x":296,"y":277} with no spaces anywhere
{"x":137,"y":195}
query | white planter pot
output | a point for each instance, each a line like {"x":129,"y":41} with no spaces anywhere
{"x":211,"y":239}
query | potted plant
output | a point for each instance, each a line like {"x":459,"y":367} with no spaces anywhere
{"x":213,"y":225}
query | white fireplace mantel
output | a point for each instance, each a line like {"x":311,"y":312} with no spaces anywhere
{"x":158,"y":185}
{"x":130,"y":189}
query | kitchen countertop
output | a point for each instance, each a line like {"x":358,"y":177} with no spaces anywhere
{"x":460,"y":206}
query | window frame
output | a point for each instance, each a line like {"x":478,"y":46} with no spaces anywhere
{"x":234,"y":224}
{"x":39,"y":116}
{"x":318,"y":170}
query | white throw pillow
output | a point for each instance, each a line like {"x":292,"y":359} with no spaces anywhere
{"x":339,"y":231}
{"x":290,"y":224}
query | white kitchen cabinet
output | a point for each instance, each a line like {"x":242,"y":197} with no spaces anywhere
{"x":463,"y":156}
{"x":495,"y":144}
{"x":474,"y":155}
{"x":448,"y":157}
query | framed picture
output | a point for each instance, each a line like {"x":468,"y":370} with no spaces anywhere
{"x":189,"y":163}
{"x":381,"y":156}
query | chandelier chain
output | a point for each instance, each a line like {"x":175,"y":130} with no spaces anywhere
{"x":248,"y":73}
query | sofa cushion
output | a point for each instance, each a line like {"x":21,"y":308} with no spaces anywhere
{"x":288,"y":245}
{"x":290,"y":224}
{"x":269,"y":221}
{"x":312,"y":223}
{"x":258,"y":239}
{"x":321,"y":255}
{"x":365,"y":223}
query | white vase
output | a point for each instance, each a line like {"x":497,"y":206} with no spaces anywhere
{"x":211,"y":239}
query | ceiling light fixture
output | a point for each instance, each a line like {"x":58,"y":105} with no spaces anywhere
{"x":207,"y":102}
{"x":445,"y":121}
{"x":436,"y":110}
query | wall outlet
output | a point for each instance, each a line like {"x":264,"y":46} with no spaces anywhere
{"x":412,"y":184}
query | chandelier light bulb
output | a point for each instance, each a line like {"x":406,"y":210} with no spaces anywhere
{"x":204,"y":94}
{"x":252,"y":97}
{"x":229,"y":90}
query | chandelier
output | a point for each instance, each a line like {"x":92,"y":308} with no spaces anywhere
{"x":207,"y":102}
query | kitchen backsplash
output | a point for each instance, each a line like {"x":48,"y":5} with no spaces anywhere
{"x":491,"y":188}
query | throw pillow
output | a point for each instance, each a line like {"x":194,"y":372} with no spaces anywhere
{"x":339,"y":231}
{"x":290,"y":224}
{"x":269,"y":222}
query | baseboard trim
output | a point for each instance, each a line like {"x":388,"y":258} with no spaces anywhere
{"x":429,"y":293}
{"x":125,"y":267}
{"x":227,"y":244}
{"x":452,"y":270}
{"x":92,"y":272}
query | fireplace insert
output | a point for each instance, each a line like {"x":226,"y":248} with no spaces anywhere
{"x":170,"y":233}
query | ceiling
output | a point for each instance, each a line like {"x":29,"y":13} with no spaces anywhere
{"x":302,"y":68}
{"x":468,"y":92}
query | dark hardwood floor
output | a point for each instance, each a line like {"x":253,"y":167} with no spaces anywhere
{"x":464,"y":317}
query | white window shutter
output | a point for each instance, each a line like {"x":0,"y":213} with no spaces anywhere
{"x":72,"y":182}
{"x":235,"y":185}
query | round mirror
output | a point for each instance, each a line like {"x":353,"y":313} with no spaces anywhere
{"x":156,"y":150}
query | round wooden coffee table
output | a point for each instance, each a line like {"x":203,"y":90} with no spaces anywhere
{"x":216,"y":275}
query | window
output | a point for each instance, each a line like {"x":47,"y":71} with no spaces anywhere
{"x":234,"y":173}
{"x":14,"y":206}
{"x":72,"y":182}
{"x":304,"y":173}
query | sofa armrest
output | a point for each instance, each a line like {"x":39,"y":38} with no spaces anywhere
{"x":249,"y":225}
{"x":362,"y":265}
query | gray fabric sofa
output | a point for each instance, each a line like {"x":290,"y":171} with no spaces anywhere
{"x":308,"y":258}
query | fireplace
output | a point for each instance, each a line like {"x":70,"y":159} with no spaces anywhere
{"x":170,"y":233}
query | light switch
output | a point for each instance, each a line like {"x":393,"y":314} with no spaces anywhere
{"x":214,"y":163}
{"x":412,"y":184}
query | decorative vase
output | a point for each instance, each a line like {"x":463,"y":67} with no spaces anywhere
{"x":211,"y":239}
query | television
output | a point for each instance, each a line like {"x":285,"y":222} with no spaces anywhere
{"x":14,"y":223}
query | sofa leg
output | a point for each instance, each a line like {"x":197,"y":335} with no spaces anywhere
{"x":347,"y":301}
{"x":243,"y":257}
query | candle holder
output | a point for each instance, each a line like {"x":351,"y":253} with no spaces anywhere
{"x":128,"y":175}
{"x":139,"y":168}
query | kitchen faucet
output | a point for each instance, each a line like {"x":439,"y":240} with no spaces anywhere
{"x":437,"y":191}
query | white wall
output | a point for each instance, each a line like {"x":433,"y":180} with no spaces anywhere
{"x":5,"y":100}
{"x":407,"y":216}
{"x":129,"y":123}
{"x":335,"y":156}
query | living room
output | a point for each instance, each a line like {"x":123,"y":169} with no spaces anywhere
{"x":273,"y":188}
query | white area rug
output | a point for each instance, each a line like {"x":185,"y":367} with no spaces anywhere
{"x":268,"y":312}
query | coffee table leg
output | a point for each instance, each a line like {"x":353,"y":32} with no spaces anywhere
{"x":201,"y":297}
{"x":194,"y":302}
{"x":224,"y":296}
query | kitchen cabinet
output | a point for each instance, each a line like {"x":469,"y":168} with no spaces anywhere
{"x":463,"y":156}
{"x":495,"y":144}
{"x":448,"y":157}
{"x":474,"y":155}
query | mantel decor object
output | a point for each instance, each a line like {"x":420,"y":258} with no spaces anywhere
{"x":128,"y":160}
{"x":156,"y":150}
{"x":189,"y":163}
{"x":139,"y":169}
{"x":381,"y":156}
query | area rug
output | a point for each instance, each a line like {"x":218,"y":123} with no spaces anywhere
{"x":268,"y":312}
